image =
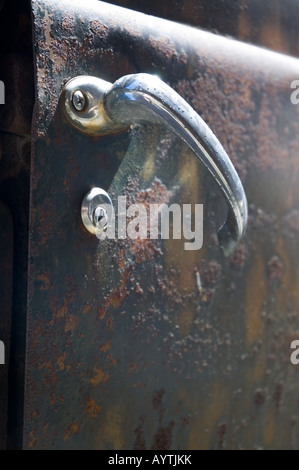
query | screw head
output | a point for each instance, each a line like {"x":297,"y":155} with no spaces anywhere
{"x":97,"y":211}
{"x":78,"y":100}
{"x":100,"y":218}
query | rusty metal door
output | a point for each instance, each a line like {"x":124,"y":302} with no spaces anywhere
{"x":139,"y":343}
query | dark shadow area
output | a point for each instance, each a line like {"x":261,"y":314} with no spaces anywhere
{"x":268,"y":23}
{"x":16,"y":72}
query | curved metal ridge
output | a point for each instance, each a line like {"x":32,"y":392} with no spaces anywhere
{"x":138,"y":98}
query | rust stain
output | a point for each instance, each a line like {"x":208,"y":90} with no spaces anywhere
{"x":60,"y":361}
{"x":145,"y":250}
{"x":72,"y":290}
{"x":142,"y":249}
{"x":239,"y":256}
{"x":121,"y":260}
{"x":58,"y":312}
{"x":156,"y":194}
{"x":165,"y":46}
{"x":86,"y":309}
{"x":33,"y":441}
{"x":112,"y":360}
{"x":109,"y":324}
{"x":163,"y":437}
{"x":117,"y":296}
{"x":99,"y":28}
{"x":140,"y":442}
{"x":168,"y":285}
{"x":68,"y":22}
{"x":72,"y":428}
{"x":157,"y":400}
{"x":211,"y":276}
{"x":44,"y":277}
{"x":49,"y":380}
{"x":92,"y":408}
{"x":100,"y":377}
{"x":105,"y":347}
{"x":212,"y":273}
{"x":71,"y":323}
{"x":259,"y":397}
{"x":60,"y":53}
{"x":275,"y":268}
{"x":45,"y":365}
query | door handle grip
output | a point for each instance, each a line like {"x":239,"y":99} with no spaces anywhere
{"x":96,"y":106}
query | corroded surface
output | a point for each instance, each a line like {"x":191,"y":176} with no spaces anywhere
{"x":138,"y":344}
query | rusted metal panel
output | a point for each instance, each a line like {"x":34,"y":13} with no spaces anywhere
{"x":135,"y":344}
{"x":269,"y":23}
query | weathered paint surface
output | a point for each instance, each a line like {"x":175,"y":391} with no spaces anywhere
{"x":126,"y":349}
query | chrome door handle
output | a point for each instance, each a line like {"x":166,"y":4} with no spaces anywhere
{"x":95,"y":106}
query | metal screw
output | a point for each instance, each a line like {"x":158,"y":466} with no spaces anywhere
{"x":100,"y":218}
{"x":78,"y":100}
